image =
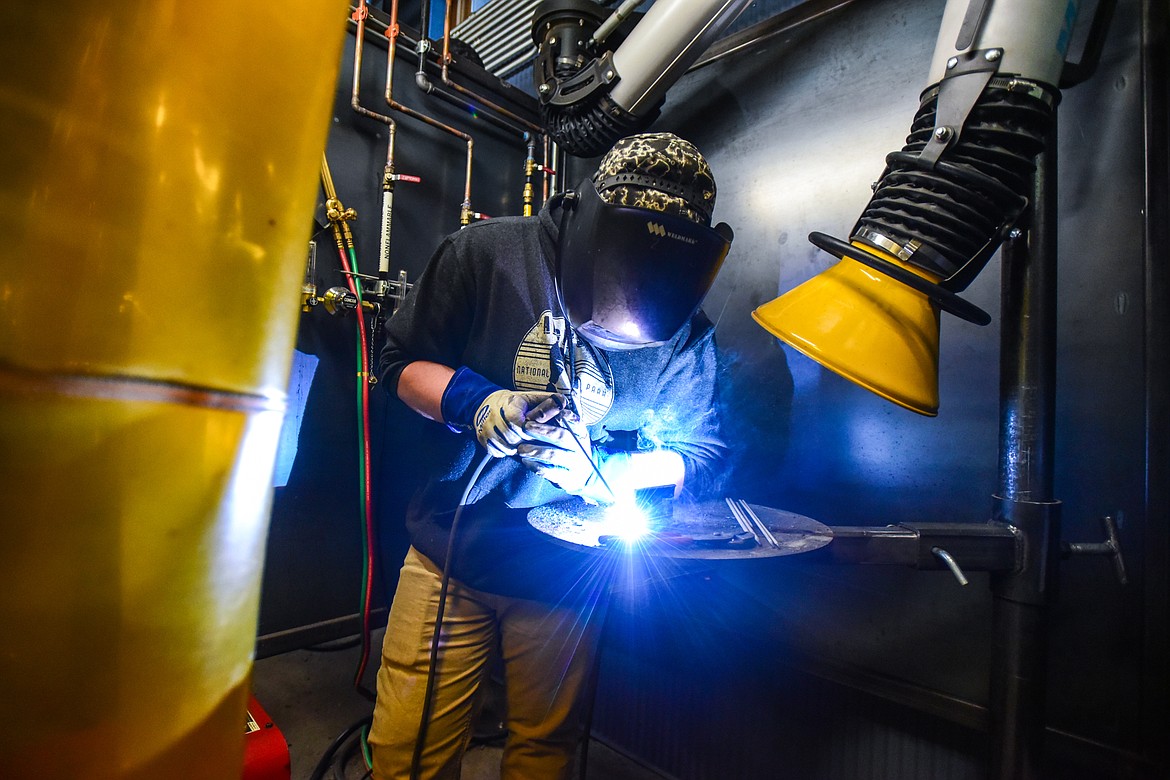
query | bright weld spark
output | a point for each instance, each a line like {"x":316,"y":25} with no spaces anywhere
{"x":626,"y":520}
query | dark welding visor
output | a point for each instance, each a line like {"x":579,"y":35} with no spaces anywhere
{"x":632,"y":277}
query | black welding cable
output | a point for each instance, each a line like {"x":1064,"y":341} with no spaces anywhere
{"x":429,"y":694}
{"x":342,"y":761}
{"x":327,"y":757}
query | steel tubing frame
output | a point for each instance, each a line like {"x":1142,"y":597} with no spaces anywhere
{"x":1025,"y":496}
{"x":1021,"y":545}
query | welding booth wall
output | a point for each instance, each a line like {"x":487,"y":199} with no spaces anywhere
{"x":796,"y":129}
{"x":784,"y":667}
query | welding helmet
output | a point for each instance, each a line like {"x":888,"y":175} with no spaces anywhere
{"x":636,"y":256}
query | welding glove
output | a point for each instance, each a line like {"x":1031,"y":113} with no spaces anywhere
{"x":561,"y":452}
{"x":496,"y":415}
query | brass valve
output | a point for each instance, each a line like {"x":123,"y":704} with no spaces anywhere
{"x":335,"y":212}
{"x":338,"y":300}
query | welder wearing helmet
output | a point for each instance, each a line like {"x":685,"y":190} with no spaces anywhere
{"x":592,"y":303}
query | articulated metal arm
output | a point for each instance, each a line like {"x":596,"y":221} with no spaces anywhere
{"x":591,"y":95}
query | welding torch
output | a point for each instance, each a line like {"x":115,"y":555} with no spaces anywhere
{"x":554,"y":409}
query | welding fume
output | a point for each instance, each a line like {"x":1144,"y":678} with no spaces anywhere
{"x":558,"y":355}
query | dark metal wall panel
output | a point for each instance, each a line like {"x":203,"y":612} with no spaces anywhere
{"x":1096,"y":624}
{"x":796,"y":130}
{"x":697,"y":701}
{"x":1155,"y":684}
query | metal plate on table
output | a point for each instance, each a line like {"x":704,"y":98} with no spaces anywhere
{"x":728,"y":529}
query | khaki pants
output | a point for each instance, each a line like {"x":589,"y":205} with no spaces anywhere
{"x":547,"y":653}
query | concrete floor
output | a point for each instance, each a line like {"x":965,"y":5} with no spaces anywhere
{"x":311,"y":698}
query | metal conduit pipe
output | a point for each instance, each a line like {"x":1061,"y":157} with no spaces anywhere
{"x":423,"y":81}
{"x":446,"y":77}
{"x":388,"y":179}
{"x":525,"y":130}
{"x":550,"y":166}
{"x":1024,"y":500}
{"x":391,"y":37}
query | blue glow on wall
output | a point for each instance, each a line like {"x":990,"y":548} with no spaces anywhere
{"x":300,"y":380}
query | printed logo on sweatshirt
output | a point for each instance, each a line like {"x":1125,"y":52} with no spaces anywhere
{"x":542,"y":363}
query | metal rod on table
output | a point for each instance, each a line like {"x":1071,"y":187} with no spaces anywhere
{"x":747,"y":510}
{"x":743,"y":521}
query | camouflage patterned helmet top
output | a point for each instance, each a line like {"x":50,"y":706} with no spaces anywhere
{"x":660,"y":172}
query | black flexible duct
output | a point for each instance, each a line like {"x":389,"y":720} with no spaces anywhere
{"x":326,"y":759}
{"x":960,"y":205}
{"x":590,"y":129}
{"x":575,"y":107}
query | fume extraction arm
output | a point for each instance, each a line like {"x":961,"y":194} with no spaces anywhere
{"x":940,"y":210}
{"x":592,"y":94}
{"x":943,"y":205}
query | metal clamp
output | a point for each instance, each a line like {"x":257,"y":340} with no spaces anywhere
{"x":942,"y":297}
{"x":396,"y":290}
{"x":966,"y":77}
{"x":598,"y":74}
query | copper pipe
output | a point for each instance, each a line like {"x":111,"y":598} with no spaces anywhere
{"x":547,"y":167}
{"x":446,"y":60}
{"x":392,"y":39}
{"x":359,"y":15}
{"x":529,"y":169}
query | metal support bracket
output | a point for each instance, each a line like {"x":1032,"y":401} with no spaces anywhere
{"x":930,"y":546}
{"x":1038,"y":524}
{"x":967,"y":76}
{"x":396,"y":291}
{"x":598,"y":74}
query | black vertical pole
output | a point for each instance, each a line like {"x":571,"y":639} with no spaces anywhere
{"x":1024,"y":499}
{"x":1155,"y":540}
